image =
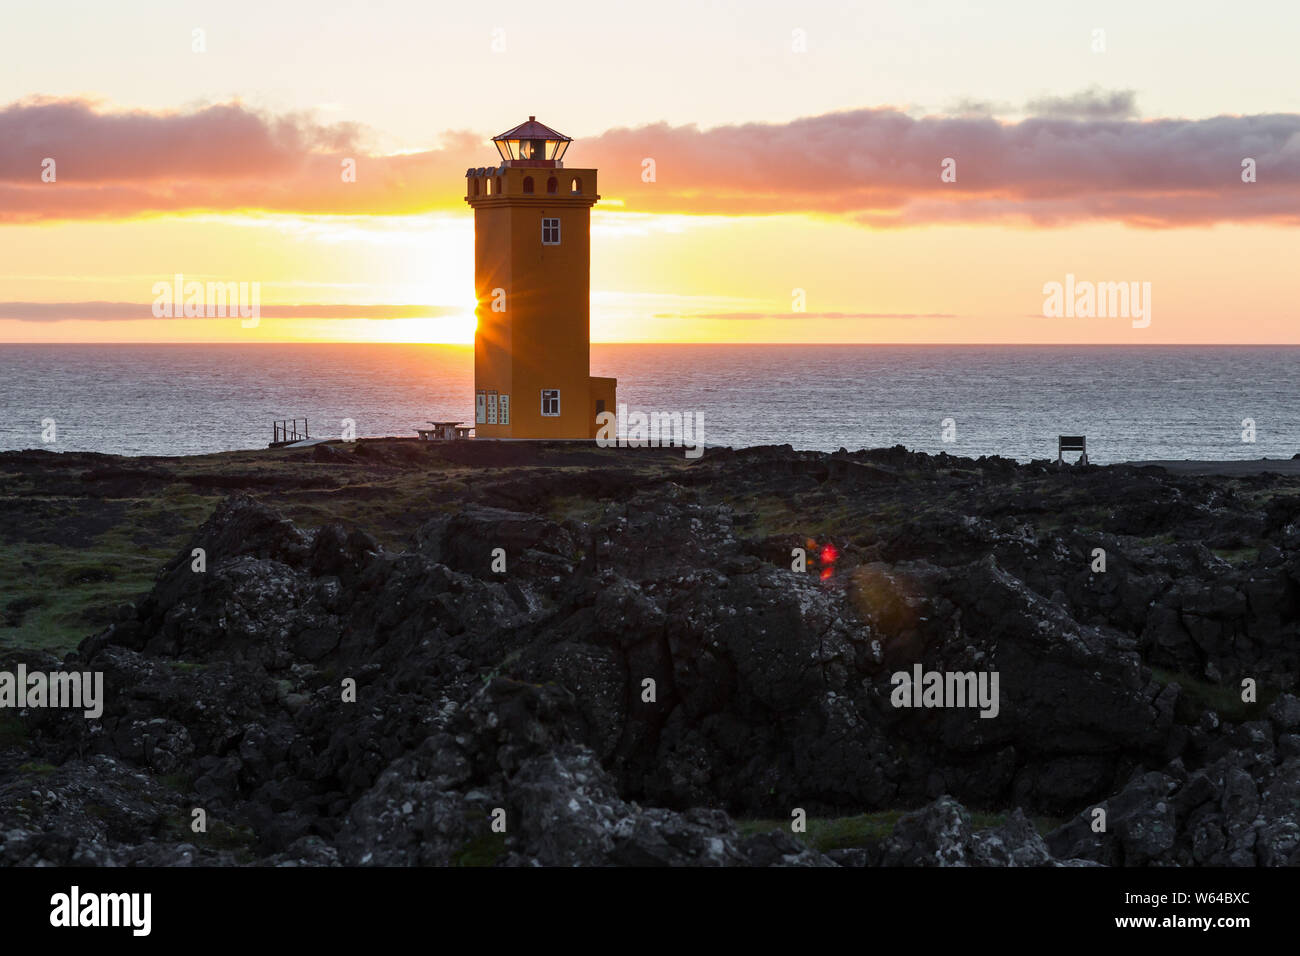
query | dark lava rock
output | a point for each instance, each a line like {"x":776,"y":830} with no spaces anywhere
{"x":649,"y":667}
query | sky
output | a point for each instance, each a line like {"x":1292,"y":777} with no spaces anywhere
{"x":798,"y":152}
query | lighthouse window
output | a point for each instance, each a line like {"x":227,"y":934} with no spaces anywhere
{"x":528,"y":184}
{"x":576,"y":186}
{"x":551,"y":402}
{"x":550,"y":232}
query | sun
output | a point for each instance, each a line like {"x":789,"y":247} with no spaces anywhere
{"x":451,"y":328}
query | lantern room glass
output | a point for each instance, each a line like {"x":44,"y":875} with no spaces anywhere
{"x":532,"y":149}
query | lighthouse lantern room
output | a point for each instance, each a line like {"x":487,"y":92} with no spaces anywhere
{"x":532,"y":144}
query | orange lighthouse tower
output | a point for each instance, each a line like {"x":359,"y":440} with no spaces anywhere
{"x":532,"y":279}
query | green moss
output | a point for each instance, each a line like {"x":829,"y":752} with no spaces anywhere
{"x":180,"y":782}
{"x":484,"y":850}
{"x":868,"y":829}
{"x":68,"y":583}
{"x":769,"y":515}
{"x":13,"y":732}
{"x":1238,"y":556}
{"x":189,"y":667}
{"x":40,"y":769}
{"x":576,"y":508}
{"x":239,"y":839}
{"x":73,"y":559}
{"x":833,"y":833}
{"x":225,"y":836}
{"x":1156,"y":540}
{"x":1224,"y":699}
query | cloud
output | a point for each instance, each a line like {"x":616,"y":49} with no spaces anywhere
{"x":1090,"y":104}
{"x":222,"y":158}
{"x":749,"y":316}
{"x":1082,"y":159}
{"x":969,"y":107}
{"x":110,"y":311}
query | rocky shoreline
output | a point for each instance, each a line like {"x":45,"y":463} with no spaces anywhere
{"x":521,"y":695}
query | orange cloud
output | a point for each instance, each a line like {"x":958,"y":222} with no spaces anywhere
{"x":800,"y":316}
{"x":878,"y":167}
{"x":106,"y":311}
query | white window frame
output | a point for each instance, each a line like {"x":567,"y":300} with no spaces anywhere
{"x":552,"y":224}
{"x":504,"y":402}
{"x":480,"y":407}
{"x":491,"y":407}
{"x":556,"y":413}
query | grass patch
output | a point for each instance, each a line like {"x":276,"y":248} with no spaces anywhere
{"x":1237,"y":556}
{"x":180,"y":782}
{"x":236,"y":838}
{"x":483,"y":850}
{"x":224,"y":836}
{"x":1224,"y":699}
{"x":13,"y":732}
{"x":832,"y":833}
{"x":771,"y":516}
{"x":1156,"y":540}
{"x":189,"y":667}
{"x":839,"y":833}
{"x":867,"y":829}
{"x":577,"y":508}
{"x":68,"y":585}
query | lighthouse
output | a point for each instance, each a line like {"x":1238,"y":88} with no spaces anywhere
{"x":532,"y":280}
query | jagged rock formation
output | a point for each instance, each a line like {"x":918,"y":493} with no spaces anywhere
{"x":525,"y":691}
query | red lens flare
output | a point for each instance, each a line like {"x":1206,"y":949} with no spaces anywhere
{"x":827,"y":554}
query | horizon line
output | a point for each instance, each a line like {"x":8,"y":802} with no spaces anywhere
{"x":467,"y":345}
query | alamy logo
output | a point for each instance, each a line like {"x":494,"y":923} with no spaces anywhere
{"x":75,"y":689}
{"x":1087,"y":300}
{"x":946,"y":689}
{"x":651,"y":430}
{"x":74,"y":909}
{"x":191,"y":300}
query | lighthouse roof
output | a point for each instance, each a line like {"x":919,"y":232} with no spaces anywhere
{"x":532,"y":144}
{"x":533,"y":130}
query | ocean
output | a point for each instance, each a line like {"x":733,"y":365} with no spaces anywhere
{"x":1153,"y":402}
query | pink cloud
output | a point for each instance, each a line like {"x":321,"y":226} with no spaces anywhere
{"x":877,"y":167}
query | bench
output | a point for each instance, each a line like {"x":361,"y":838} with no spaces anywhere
{"x":1071,"y":443}
{"x":444,"y":431}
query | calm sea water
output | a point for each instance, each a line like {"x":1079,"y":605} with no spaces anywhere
{"x":1132,"y":403}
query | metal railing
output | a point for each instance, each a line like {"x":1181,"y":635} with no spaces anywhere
{"x":286,"y":430}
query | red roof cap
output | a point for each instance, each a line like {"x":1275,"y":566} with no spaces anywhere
{"x":533,"y":130}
